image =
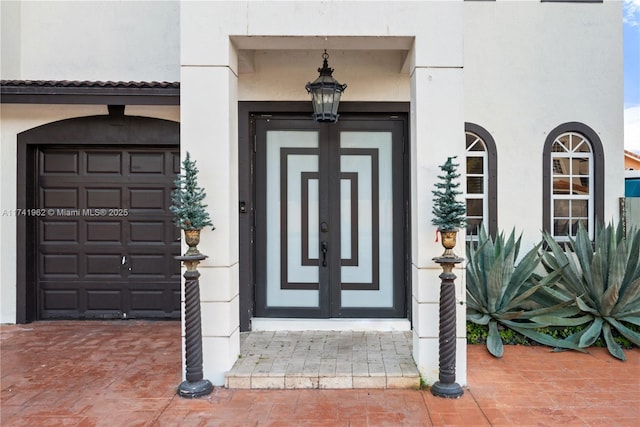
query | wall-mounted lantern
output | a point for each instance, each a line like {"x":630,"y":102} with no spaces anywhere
{"x":325,"y":93}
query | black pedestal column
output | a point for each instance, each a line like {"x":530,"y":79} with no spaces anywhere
{"x":447,"y":386}
{"x":194,"y":384}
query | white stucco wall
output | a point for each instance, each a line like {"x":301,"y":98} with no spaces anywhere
{"x":530,"y":67}
{"x":16,"y":118}
{"x":91,"y":40}
{"x":9,"y":38}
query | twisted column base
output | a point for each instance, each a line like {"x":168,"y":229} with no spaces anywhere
{"x":446,"y":386}
{"x":194,"y":385}
{"x":195,"y":389}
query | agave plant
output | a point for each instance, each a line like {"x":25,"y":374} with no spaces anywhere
{"x":604,"y":278}
{"x":497,"y":290}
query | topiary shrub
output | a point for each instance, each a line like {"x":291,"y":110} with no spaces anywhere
{"x":187,"y":199}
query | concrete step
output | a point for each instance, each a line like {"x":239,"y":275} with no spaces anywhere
{"x":324,"y":359}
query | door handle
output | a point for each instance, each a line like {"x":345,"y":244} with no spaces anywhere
{"x":125,"y":263}
{"x":324,"y":247}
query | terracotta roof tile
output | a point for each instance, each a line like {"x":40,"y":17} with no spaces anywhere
{"x":632,"y":154}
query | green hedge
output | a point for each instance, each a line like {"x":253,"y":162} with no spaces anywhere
{"x":477,"y":334}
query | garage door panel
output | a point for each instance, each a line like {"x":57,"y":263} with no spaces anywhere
{"x":59,"y":198}
{"x":148,"y":266}
{"x":97,"y":264}
{"x":59,"y":231}
{"x":60,"y":299}
{"x":146,"y":232}
{"x":142,"y":306}
{"x":143,"y":300}
{"x":107,"y":198}
{"x":60,"y":265}
{"x":153,"y":249}
{"x":63,"y":162}
{"x":104,"y":231}
{"x":145,"y":199}
{"x":103,"y":265}
{"x":147,"y":163}
{"x":104,"y":299}
{"x":103,"y":162}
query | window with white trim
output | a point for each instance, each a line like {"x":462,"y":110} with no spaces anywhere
{"x":481,"y":186}
{"x":572,"y":185}
{"x":572,"y":180}
{"x":477,"y":185}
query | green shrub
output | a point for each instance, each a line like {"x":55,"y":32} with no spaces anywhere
{"x":497,"y":290}
{"x":477,"y":334}
{"x":603,"y":280}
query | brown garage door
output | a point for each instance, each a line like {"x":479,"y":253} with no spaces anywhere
{"x":105,"y":237}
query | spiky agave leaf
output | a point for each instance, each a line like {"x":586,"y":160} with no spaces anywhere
{"x":613,"y":347}
{"x":633,"y":261}
{"x":605,"y":282}
{"x":476,"y":290}
{"x":556,"y":311}
{"x":629,"y":334}
{"x":557,"y":259}
{"x":528,"y":330}
{"x":629,"y":298}
{"x":562,"y":317}
{"x":497,"y":289}
{"x":520,"y":278}
{"x":543,"y":284}
{"x":494,"y":341}
{"x":591,"y":333}
{"x":479,"y":318}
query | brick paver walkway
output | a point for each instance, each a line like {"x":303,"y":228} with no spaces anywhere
{"x":125,"y":373}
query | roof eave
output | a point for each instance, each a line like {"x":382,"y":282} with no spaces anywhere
{"x":94,"y":94}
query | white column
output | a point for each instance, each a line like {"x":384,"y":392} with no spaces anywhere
{"x":209,"y":132}
{"x":437,"y":132}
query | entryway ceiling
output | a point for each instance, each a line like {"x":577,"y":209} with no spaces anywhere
{"x":247,"y":45}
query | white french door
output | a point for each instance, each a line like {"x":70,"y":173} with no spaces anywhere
{"x":329,"y":218}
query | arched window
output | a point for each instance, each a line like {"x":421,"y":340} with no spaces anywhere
{"x":481,"y":172}
{"x":573,"y":180}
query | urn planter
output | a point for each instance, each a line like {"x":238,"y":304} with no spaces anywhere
{"x":192,"y":239}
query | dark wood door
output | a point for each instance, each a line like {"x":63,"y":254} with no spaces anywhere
{"x":105,"y":238}
{"x":329,"y":218}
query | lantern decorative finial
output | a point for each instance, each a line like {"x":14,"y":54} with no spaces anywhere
{"x":325,"y":93}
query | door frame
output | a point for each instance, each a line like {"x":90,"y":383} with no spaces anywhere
{"x":247,"y":110}
{"x":114,"y":129}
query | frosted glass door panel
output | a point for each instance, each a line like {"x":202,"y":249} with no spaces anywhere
{"x":292,"y":219}
{"x":329,"y":217}
{"x":366,"y":219}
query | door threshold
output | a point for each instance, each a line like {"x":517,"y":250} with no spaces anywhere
{"x":298,"y":324}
